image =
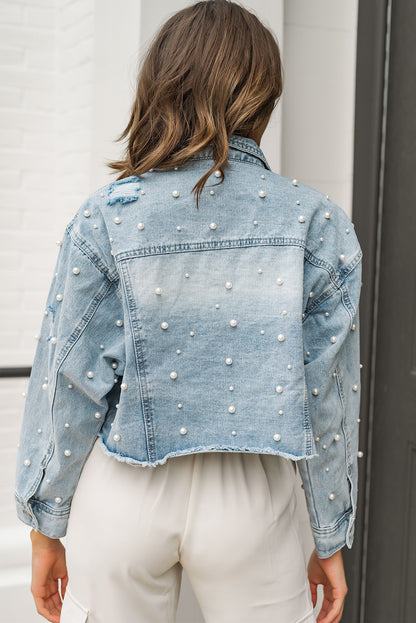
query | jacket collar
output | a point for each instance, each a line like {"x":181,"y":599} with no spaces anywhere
{"x":241,"y":145}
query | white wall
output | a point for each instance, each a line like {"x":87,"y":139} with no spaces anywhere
{"x":67,"y":79}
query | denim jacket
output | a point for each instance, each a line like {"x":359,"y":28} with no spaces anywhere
{"x":170,"y":330}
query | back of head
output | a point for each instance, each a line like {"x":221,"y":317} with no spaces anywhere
{"x":211,"y":71}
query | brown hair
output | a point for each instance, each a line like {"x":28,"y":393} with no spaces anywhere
{"x":212,"y":70}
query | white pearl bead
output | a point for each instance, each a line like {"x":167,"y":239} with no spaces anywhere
{"x":331,"y":496}
{"x":26,"y":462}
{"x":119,"y":323}
{"x":39,"y":430}
{"x":187,"y":275}
{"x":255,"y":222}
{"x":183,"y":431}
{"x":175,"y":193}
{"x":261,"y":331}
{"x":355,"y":388}
{"x":178,"y":352}
{"x":233,"y":322}
{"x":277,"y":437}
{"x":142,"y":192}
{"x":317,"y":438}
{"x":116,"y":437}
{"x":48,"y":480}
{"x":315,"y":391}
{"x":59,"y":297}
{"x":327,"y":215}
{"x":262,"y":193}
{"x":284,"y":312}
{"x":37,"y":337}
{"x":307,"y":353}
{"x":348,"y":231}
{"x":324,"y":446}
{"x":301,"y":219}
{"x":217,"y":173}
{"x":279,"y":389}
{"x":353,"y":327}
{"x":66,"y":425}
{"x":310,"y":294}
{"x":164,"y":325}
{"x":180,"y":405}
{"x":75,"y":271}
{"x":337,"y":437}
{"x":360,"y":454}
{"x":233,"y":433}
{"x":114,"y":365}
{"x":179,"y":228}
{"x":102,"y":346}
{"x":140,"y":225}
{"x":212,"y":192}
{"x":263,"y":176}
{"x":231,"y":409}
{"x":280,"y":412}
{"x":231,"y":388}
{"x":342,"y":257}
{"x":228,"y":285}
{"x":67,"y":452}
{"x":58,"y":500}
{"x":228,"y":361}
{"x":281,"y":337}
{"x":111,"y":239}
{"x":260,"y":271}
{"x":333,"y":339}
{"x":90,"y":374}
{"x":97,"y":415}
{"x":70,"y":386}
{"x":289,"y":367}
{"x":298,"y":202}
{"x":326,"y":314}
{"x":279,"y":281}
{"x":213,"y":226}
{"x":45,"y":386}
{"x":101,"y":194}
{"x":117,"y":220}
{"x":327,"y":469}
{"x":217,"y":306}
{"x":295,"y":182}
{"x":173,"y":375}
{"x":158,"y":291}
{"x":59,"y":243}
{"x":53,"y":340}
{"x":123,"y":386}
{"x":192,"y":333}
{"x":87,"y":213}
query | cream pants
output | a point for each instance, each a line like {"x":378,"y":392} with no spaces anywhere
{"x":227,"y":518}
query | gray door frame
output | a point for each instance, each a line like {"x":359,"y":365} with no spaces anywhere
{"x":373,"y":32}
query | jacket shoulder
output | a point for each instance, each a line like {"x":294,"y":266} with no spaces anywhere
{"x":330,"y":238}
{"x":89,"y":229}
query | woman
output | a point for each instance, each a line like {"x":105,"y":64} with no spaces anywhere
{"x":192,"y":355}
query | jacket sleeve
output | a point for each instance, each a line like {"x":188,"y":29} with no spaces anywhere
{"x":332,"y":374}
{"x":73,"y":385}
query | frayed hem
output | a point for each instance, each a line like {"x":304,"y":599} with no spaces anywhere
{"x":199,"y":450}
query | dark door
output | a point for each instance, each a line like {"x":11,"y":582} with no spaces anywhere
{"x":381,"y":569}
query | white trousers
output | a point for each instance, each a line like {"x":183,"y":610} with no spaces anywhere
{"x":227,"y":518}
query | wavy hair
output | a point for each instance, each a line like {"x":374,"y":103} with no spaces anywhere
{"x":212,"y":70}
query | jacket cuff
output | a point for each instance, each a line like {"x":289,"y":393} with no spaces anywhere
{"x":42,"y":518}
{"x":329,"y":540}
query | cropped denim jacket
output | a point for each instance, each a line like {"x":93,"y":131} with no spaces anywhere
{"x":169,"y":330}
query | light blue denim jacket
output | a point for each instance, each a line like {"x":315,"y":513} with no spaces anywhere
{"x":170,"y":330}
